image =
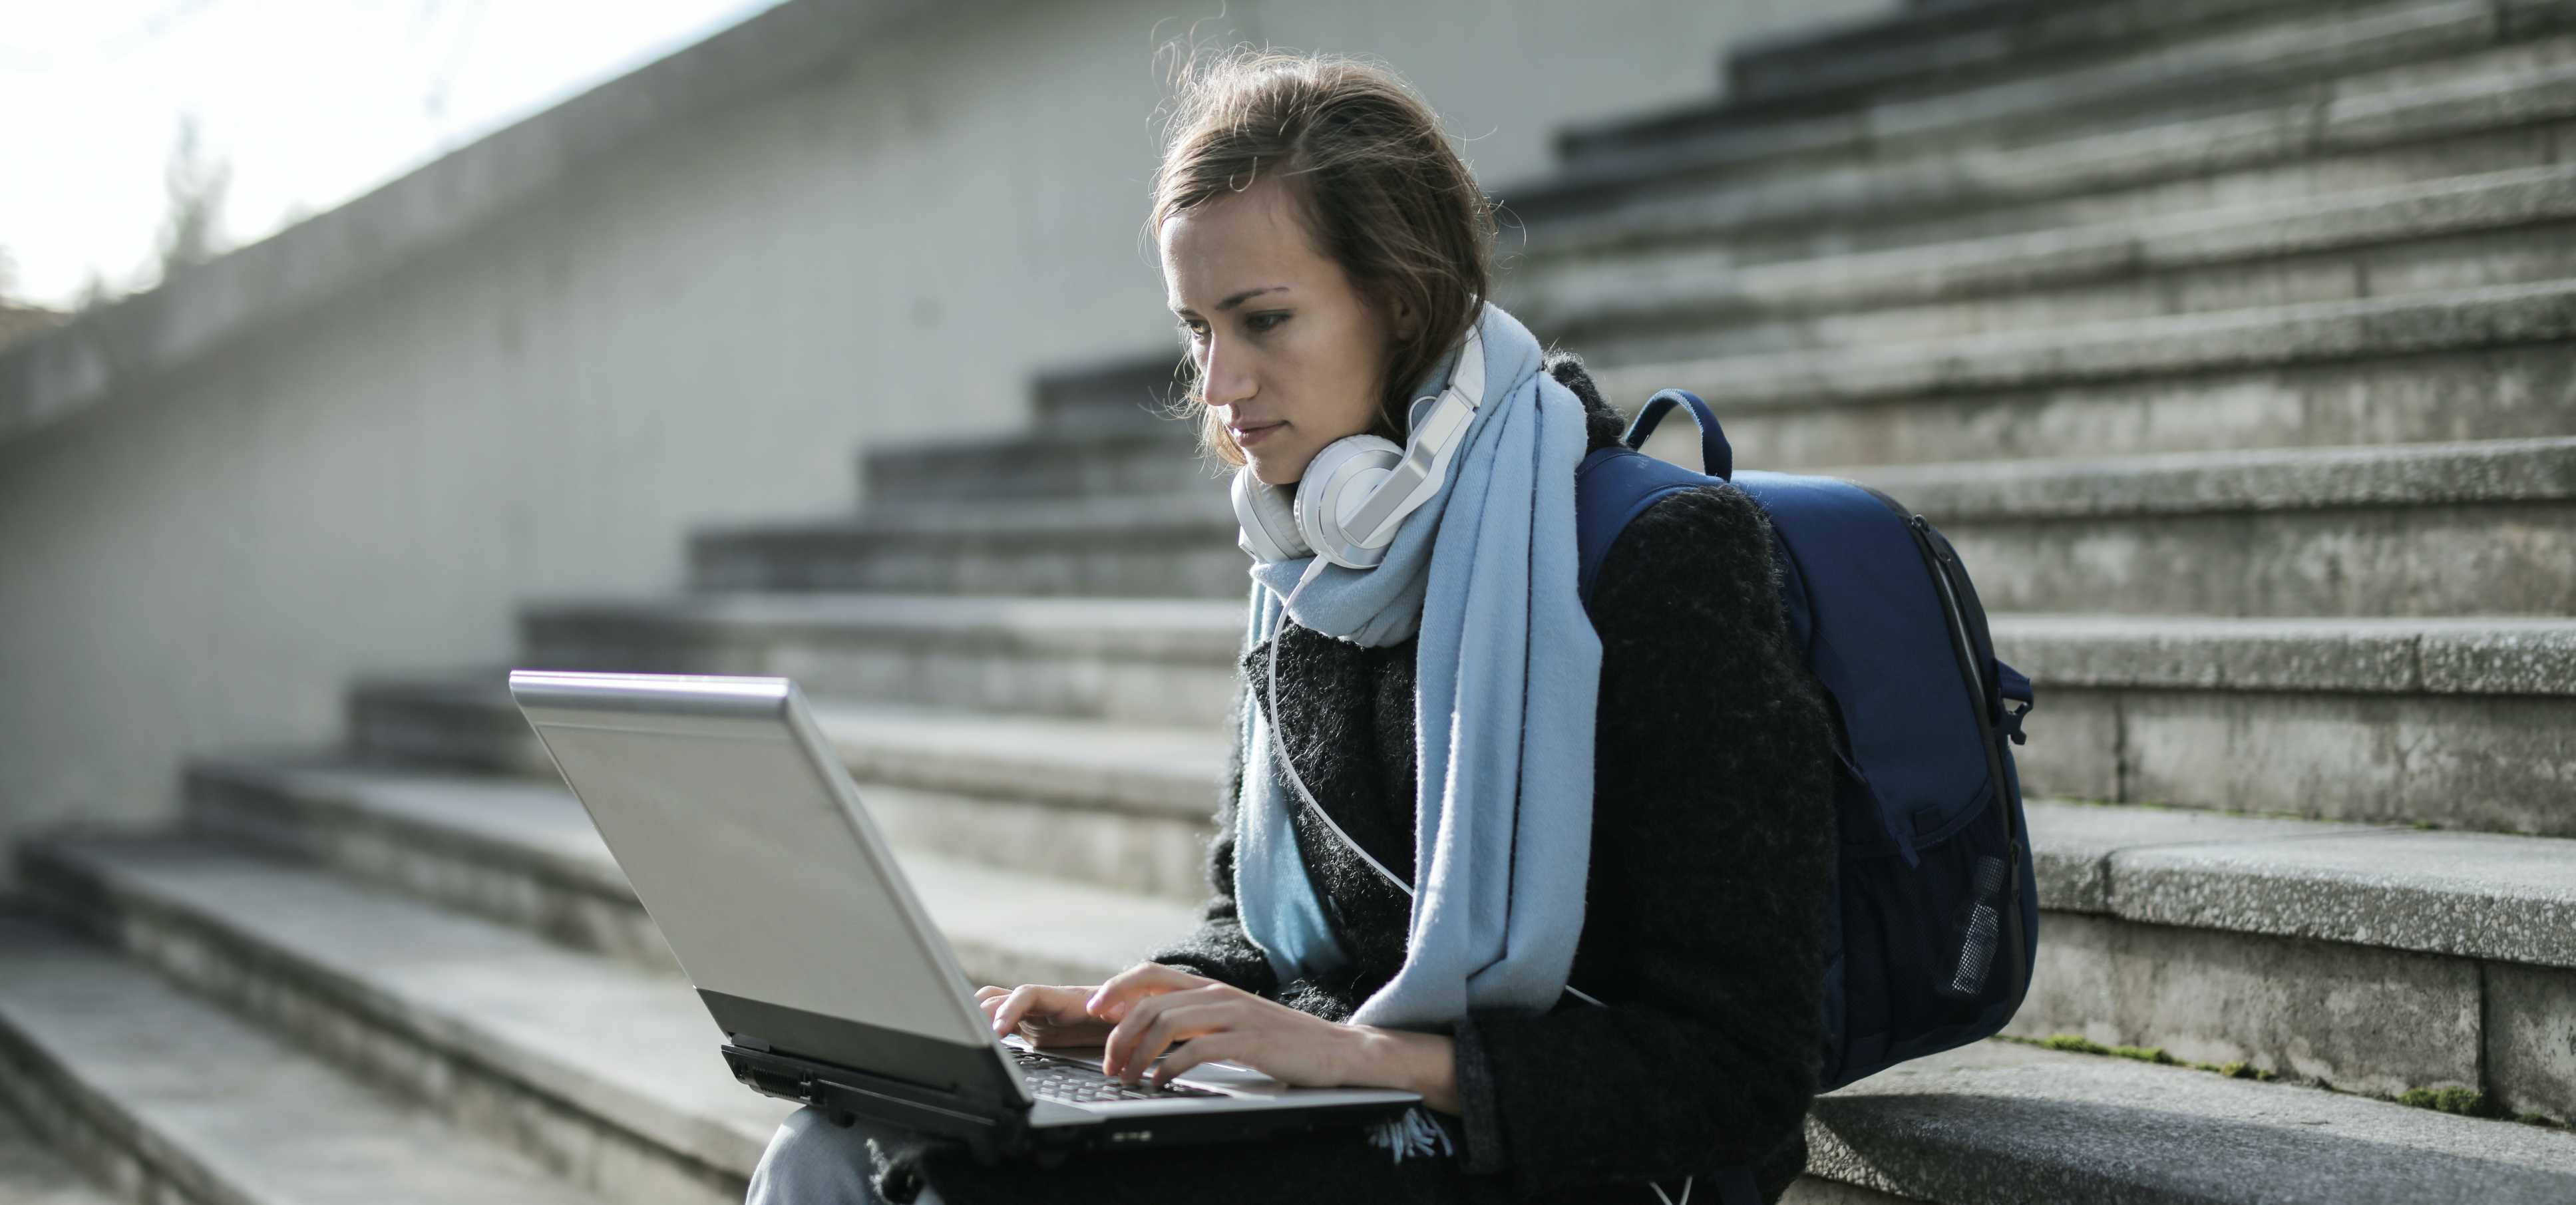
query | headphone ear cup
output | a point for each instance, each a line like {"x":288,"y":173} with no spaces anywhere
{"x":1337,"y":481}
{"x":1268,"y":519}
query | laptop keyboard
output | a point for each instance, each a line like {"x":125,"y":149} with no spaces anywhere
{"x":1073,"y":1083}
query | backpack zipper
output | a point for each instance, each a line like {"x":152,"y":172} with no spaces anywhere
{"x":1938,"y":563}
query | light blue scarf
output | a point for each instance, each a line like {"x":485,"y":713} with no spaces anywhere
{"x":1505,"y":679}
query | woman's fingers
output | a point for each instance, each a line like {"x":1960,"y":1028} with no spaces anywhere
{"x":1156,"y":1023}
{"x":1142,"y":980}
{"x":1037,"y":1006}
{"x":1181,"y":1023}
{"x":1208,"y":1048}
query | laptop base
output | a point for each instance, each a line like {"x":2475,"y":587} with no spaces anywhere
{"x":843,"y":1093}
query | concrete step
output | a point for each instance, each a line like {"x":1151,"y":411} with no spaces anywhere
{"x":1130,"y":660}
{"x":578,"y":1061}
{"x":1126,"y":393}
{"x":2489,"y":362}
{"x":33,"y":1174}
{"x":2380,"y":960}
{"x":2447,"y":957}
{"x":2253,"y":59}
{"x":1041,"y":465}
{"x":2422,"y":312}
{"x":1996,"y":1122}
{"x":2418,"y":529}
{"x":522,"y":851}
{"x":1921,"y":48}
{"x":2498,"y":110}
{"x":1178,"y":544}
{"x":170,"y":1099}
{"x":2459,"y":723}
{"x":2464,"y":723}
{"x":1151,"y":771}
{"x":1652,"y":304}
{"x":2455,"y":722}
{"x":434,"y":1003}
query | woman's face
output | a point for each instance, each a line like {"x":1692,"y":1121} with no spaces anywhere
{"x":1292,"y":356}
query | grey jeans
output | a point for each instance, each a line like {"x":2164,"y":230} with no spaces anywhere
{"x":810,"y":1161}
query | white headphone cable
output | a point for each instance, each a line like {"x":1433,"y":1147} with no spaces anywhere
{"x":1271,"y":689}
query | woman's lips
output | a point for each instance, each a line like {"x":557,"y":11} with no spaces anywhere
{"x":1248,"y":436}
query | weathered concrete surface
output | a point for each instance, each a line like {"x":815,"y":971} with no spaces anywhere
{"x":559,"y":1054}
{"x":2496,"y":315}
{"x":2480,"y":116}
{"x":2470,"y":895}
{"x":526,"y":854}
{"x":2432,"y":530}
{"x":31,"y":1174}
{"x":2531,"y":1038}
{"x":2474,"y":895}
{"x":2363,"y":1019}
{"x":1660,"y":284}
{"x":1147,"y":661}
{"x":1996,"y":1121}
{"x":169,"y":1099}
{"x":2072,"y":843}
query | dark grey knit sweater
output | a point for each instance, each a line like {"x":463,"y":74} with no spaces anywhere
{"x":1713,"y":833}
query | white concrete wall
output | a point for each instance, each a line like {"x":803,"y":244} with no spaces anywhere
{"x":706,"y":327}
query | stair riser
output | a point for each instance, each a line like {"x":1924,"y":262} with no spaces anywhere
{"x":1839,"y":212}
{"x":1903,"y":59}
{"x":2150,"y":80}
{"x":2474,"y":393}
{"x":339,"y":1022}
{"x":1755,"y":324}
{"x":2489,"y":393}
{"x":1041,"y":468}
{"x":906,"y":668}
{"x":2485,"y":762}
{"x":482,"y":878}
{"x":991,"y":774}
{"x":90,"y":1133}
{"x":2419,"y":560}
{"x":2505,"y":393}
{"x":1202,"y":564}
{"x":2390,"y":1020}
{"x":2493,"y":763}
{"x":2364,"y":561}
{"x":466,"y":735}
{"x":2361,"y":1018}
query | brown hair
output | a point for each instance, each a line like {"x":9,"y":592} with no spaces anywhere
{"x":1371,"y":176}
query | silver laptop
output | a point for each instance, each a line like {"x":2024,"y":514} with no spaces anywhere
{"x":749,"y":846}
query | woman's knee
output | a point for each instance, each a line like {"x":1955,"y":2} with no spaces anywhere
{"x":811,"y":1161}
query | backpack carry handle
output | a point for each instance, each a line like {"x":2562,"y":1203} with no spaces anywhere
{"x":1716,"y":457}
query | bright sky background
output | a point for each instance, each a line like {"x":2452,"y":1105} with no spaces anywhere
{"x":313,"y":103}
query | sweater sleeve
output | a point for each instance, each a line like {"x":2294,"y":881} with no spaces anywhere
{"x":1712,"y":843}
{"x":1218,"y":948}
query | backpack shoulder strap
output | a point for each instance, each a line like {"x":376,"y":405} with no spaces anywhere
{"x":1612,"y":486}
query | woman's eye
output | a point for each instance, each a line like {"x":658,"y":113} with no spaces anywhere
{"x":1260,"y":323}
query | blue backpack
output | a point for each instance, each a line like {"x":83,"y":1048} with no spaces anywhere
{"x":1934,"y":877}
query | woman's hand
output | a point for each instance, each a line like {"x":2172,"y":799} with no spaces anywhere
{"x":1154,"y":1006}
{"x":1061,"y":1016}
{"x":1045,"y":1015}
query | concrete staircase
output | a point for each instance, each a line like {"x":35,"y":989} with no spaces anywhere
{"x":2230,"y":342}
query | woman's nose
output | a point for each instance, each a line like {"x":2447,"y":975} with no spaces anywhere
{"x":1227,"y":382}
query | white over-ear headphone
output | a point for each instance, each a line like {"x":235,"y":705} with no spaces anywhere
{"x":1360,"y":487}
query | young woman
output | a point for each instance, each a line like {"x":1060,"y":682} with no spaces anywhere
{"x":1611,"y":1015}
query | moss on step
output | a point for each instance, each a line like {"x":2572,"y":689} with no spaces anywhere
{"x":2466,"y":1102}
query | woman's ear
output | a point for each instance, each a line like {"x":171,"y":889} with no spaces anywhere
{"x":1405,"y":326}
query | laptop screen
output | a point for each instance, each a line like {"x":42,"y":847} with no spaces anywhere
{"x":728,"y":814}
